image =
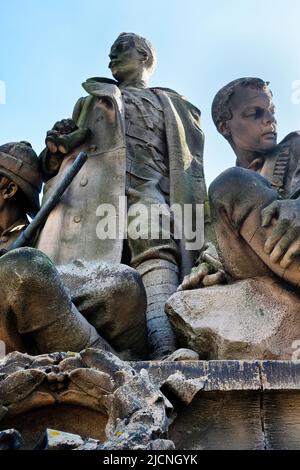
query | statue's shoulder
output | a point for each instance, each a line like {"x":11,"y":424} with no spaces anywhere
{"x":171,"y":93}
{"x":95,"y":85}
{"x":168,"y":91}
{"x":291,"y":144}
{"x":90,"y":85}
{"x":291,"y":138}
{"x":100,"y":80}
{"x":174,"y":95}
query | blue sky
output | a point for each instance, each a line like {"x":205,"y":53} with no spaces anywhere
{"x":48,"y":48}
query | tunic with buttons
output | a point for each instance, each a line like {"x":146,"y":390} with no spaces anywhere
{"x":143,"y":143}
{"x":147,"y":176}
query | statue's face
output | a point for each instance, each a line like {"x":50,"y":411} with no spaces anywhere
{"x":125,"y":59}
{"x":8,"y":189}
{"x":253,"y":126}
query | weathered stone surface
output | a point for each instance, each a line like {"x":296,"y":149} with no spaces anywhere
{"x":280,"y":375}
{"x":182,"y":388}
{"x":183,"y":354}
{"x":241,"y":405}
{"x":72,"y":419}
{"x":57,"y":440}
{"x":138,"y":413}
{"x":282,"y":420}
{"x":211,"y":375}
{"x":251,"y":319}
{"x":220,"y":420}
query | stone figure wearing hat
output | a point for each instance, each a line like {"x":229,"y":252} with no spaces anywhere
{"x":20,"y":185}
{"x":43,"y":308}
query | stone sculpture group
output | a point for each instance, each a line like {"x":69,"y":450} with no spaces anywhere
{"x":99,"y":302}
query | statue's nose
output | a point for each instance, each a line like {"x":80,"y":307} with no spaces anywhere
{"x":269,"y":117}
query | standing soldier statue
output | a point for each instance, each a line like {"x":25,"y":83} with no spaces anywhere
{"x":143,"y":143}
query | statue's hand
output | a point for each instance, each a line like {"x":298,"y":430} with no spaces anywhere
{"x":65,"y":126}
{"x":54,"y":137}
{"x":284,"y":241}
{"x":208,"y":273}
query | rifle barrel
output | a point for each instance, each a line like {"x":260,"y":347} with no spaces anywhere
{"x":51,"y":202}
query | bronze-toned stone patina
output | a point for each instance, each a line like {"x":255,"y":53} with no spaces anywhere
{"x":145,"y":143}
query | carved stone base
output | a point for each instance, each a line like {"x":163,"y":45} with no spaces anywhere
{"x":37,"y":389}
{"x":239,"y":405}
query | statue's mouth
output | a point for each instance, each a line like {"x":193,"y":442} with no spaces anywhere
{"x":270,"y":134}
{"x":113,"y":63}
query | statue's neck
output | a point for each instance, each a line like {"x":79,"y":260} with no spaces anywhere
{"x":246,"y":157}
{"x":9,"y":215}
{"x":133,"y":84}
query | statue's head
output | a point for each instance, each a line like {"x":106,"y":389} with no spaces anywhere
{"x":131,"y":56}
{"x":20,"y":177}
{"x":244,"y":113}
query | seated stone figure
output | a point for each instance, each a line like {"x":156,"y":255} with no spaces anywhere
{"x":255,"y":206}
{"x":43,"y":309}
{"x":255,"y":211}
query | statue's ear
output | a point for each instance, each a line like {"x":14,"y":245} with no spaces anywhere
{"x":144,"y":56}
{"x":10,"y":190}
{"x":224,"y":129}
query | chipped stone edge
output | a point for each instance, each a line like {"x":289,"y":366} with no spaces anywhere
{"x":138,"y":413}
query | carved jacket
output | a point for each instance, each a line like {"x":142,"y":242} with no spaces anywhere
{"x":70,"y":230}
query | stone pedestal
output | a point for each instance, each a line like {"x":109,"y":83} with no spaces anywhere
{"x":241,"y":405}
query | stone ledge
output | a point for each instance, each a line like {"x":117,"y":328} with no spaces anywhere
{"x":229,"y":375}
{"x":235,"y":404}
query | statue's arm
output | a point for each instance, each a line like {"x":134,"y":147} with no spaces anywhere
{"x":283,"y":215}
{"x":77,"y":109}
{"x":51,"y":158}
{"x":49,"y":164}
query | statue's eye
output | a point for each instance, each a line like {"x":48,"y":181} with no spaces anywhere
{"x":122,"y":46}
{"x":258,"y":113}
